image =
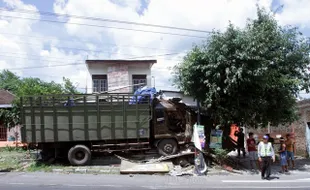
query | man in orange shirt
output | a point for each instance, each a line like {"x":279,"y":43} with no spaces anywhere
{"x":290,"y":143}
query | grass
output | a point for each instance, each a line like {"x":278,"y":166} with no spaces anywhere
{"x":11,"y":157}
{"x":41,"y":167}
{"x":17,"y":159}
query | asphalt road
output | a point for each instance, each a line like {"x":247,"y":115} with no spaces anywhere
{"x":52,"y":181}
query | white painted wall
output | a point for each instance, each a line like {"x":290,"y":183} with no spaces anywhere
{"x":133,"y":69}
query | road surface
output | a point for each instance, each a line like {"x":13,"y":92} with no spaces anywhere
{"x":53,"y":181}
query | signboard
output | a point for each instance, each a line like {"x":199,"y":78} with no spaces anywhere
{"x":199,"y":141}
{"x":118,"y":79}
{"x":199,"y":137}
{"x":216,"y":139}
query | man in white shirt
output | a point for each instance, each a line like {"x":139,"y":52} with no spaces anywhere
{"x":265,"y":155}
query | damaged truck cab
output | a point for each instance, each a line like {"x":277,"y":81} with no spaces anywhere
{"x":76,"y":126}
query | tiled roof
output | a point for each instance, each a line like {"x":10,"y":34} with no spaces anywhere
{"x":6,"y":97}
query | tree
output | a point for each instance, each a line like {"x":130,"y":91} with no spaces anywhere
{"x":27,"y":87}
{"x":9,"y":81}
{"x":251,"y":75}
{"x":68,"y":86}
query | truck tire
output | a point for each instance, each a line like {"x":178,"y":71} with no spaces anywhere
{"x":167,"y":147}
{"x":79,"y":155}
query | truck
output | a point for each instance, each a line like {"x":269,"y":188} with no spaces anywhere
{"x":76,"y":126}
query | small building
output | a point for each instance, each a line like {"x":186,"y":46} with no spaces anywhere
{"x":119,"y":76}
{"x":6,"y":100}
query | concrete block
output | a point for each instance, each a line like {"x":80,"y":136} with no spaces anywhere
{"x":81,"y":170}
{"x":141,"y":168}
{"x":58,"y":170}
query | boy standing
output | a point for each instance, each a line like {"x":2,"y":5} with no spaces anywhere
{"x":290,"y":150}
{"x":251,"y":144}
{"x":283,"y":153}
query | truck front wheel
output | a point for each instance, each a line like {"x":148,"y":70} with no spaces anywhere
{"x":167,"y":147}
{"x":79,"y":155}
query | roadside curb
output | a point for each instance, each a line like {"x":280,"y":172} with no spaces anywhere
{"x":88,"y":170}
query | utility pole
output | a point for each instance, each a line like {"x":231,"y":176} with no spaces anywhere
{"x":198,"y":112}
{"x":153,"y":77}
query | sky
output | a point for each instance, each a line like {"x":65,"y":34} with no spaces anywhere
{"x":52,"y":46}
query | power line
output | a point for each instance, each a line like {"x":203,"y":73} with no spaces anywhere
{"x":103,"y":20}
{"x":54,"y":61}
{"x":102,"y":26}
{"x":168,"y":54}
{"x":35,"y":59}
{"x":81,"y":49}
{"x":64,"y":47}
{"x":62,"y":39}
{"x":60,"y":65}
{"x":62,"y":58}
{"x":45,"y":66}
{"x":32,"y":55}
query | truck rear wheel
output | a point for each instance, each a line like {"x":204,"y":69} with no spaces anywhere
{"x":167,"y":147}
{"x":79,"y":155}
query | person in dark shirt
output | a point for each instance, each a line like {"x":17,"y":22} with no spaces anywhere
{"x":240,"y":142}
{"x":251,"y":144}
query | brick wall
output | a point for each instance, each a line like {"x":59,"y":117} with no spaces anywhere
{"x":300,"y":137}
{"x":298,"y":128}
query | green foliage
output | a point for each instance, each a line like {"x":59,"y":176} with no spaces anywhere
{"x":251,"y":75}
{"x":220,"y":155}
{"x":27,"y":87}
{"x":9,"y":81}
{"x":12,"y":158}
{"x":12,"y":149}
{"x":10,"y":117}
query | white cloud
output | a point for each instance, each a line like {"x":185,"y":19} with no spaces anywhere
{"x":295,"y":13}
{"x":197,"y":14}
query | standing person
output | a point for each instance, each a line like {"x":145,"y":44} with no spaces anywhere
{"x":265,"y":155}
{"x":251,"y":144}
{"x":270,"y":139}
{"x":240,"y":142}
{"x":290,"y":150}
{"x":283,"y":153}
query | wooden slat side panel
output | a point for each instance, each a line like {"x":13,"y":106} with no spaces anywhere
{"x":114,"y":119}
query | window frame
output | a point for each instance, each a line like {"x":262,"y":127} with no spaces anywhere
{"x":137,"y":79}
{"x":102,"y":83}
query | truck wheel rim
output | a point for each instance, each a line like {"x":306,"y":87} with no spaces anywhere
{"x":79,"y":155}
{"x":168,"y":148}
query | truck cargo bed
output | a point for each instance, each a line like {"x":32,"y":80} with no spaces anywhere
{"x":68,"y":118}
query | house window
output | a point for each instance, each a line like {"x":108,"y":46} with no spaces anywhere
{"x":100,"y":83}
{"x":138,"y":81}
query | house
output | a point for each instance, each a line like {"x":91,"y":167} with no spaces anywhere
{"x":6,"y":99}
{"x":6,"y":134}
{"x":119,"y":76}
